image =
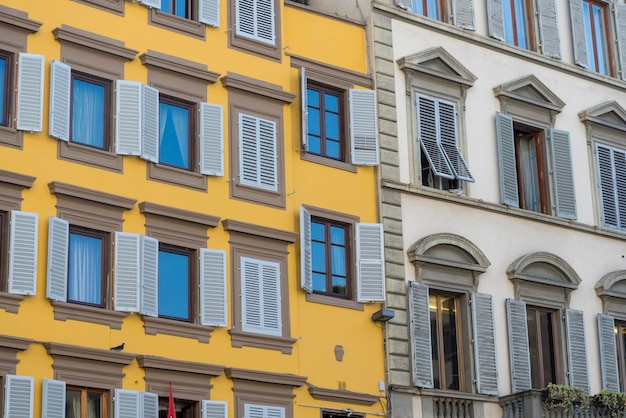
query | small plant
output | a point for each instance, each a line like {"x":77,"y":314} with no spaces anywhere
{"x":565,"y":398}
{"x":613,"y":402}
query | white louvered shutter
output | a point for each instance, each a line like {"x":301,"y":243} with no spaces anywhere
{"x":261,"y":308}
{"x":152,"y":3}
{"x":620,"y":25}
{"x":519,"y":353}
{"x":127,"y":404}
{"x":23,"y":253}
{"x":149,"y":405}
{"x":149,"y":276}
{"x":428,"y":136}
{"x":576,"y":349}
{"x":548,"y":28}
{"x":209,"y":12}
{"x":257,"y":152}
{"x":30,"y":92}
{"x":495,"y":19}
{"x":263,"y":411}
{"x":60,"y":87}
{"x":214,"y":409}
{"x":419,"y":330}
{"x":306,"y":251}
{"x":19,"y":394}
{"x":127,"y":271}
{"x":507,"y":164}
{"x":304,"y":109}
{"x":128,"y":127}
{"x":562,"y":168}
{"x":211,"y":139}
{"x":149,"y":123}
{"x":363,"y":127}
{"x":370,"y":262}
{"x":255,"y":19}
{"x":608,"y":353}
{"x":446,"y":112}
{"x":213,"y":298}
{"x":578,"y":33}
{"x":53,"y":399}
{"x":484,"y":344}
{"x":58,"y":251}
{"x":463,"y":14}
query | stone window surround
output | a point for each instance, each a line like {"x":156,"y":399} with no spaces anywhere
{"x":341,"y":396}
{"x":9,"y":347}
{"x":112,"y":6}
{"x":96,"y":210}
{"x":260,"y":49}
{"x":611,"y":289}
{"x":188,"y":27}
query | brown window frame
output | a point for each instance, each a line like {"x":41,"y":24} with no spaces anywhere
{"x":522,"y":132}
{"x":106,"y":84}
{"x":4,"y":250}
{"x":193,"y":152}
{"x":440,"y":338}
{"x":607,"y":35}
{"x":442,"y":10}
{"x":528,"y":18}
{"x":538,"y":378}
{"x":342,"y":123}
{"x":620,"y":344}
{"x":188,"y":408}
{"x":349,"y":257}
{"x":8,"y":88}
{"x":83,"y":399}
{"x":192,"y":274}
{"x":190,"y":5}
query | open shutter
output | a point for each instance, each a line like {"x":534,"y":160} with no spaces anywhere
{"x":606,"y":186}
{"x":127,"y":404}
{"x":23,"y":253}
{"x":428,"y":136}
{"x":150,"y":123}
{"x":151,"y":3}
{"x":404,"y":4}
{"x":213,"y":300}
{"x":548,"y":28}
{"x":261,"y":309}
{"x":128,"y":117}
{"x":209,"y":12}
{"x":306,"y":251}
{"x":60,"y":86}
{"x":30,"y":92}
{"x":419,"y":329}
{"x":363,"y":127}
{"x":304,"y":110}
{"x":58,"y":250}
{"x":608,"y":353}
{"x":53,"y":399}
{"x":211,"y":139}
{"x":370,"y":262}
{"x":149,"y":276}
{"x":214,"y":409}
{"x":496,"y":19}
{"x":149,"y":404}
{"x":620,"y":25}
{"x":448,"y":138}
{"x":507,"y":163}
{"x":565,"y":198}
{"x":18,"y":396}
{"x":463,"y":13}
{"x":578,"y":33}
{"x":519,"y":353}
{"x":576,"y":349}
{"x":127,"y":271}
{"x":485,"y":344}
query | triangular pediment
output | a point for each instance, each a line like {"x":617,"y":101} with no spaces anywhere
{"x":609,"y":114}
{"x":530,"y":90}
{"x":439,"y":63}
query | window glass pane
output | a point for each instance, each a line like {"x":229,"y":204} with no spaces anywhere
{"x":332,"y":125}
{"x":520,"y":23}
{"x":620,"y":334}
{"x":600,"y":39}
{"x":318,"y":231}
{"x":3,"y":89}
{"x":450,"y":343}
{"x":94,"y":405}
{"x":529,"y":171}
{"x":173,"y":285}
{"x":72,"y":404}
{"x":433,"y":9}
{"x":547,"y":348}
{"x":533,"y":346}
{"x":181,"y":8}
{"x":333,"y":149}
{"x":166,"y":6}
{"x":174,"y":134}
{"x":434,"y":338}
{"x":337,"y":235}
{"x":88,"y":113}
{"x":338,"y":255}
{"x":318,"y":252}
{"x":507,"y":12}
{"x":339,"y":286}
{"x":331,"y":103}
{"x":313,"y":124}
{"x":313,"y":98}
{"x":85,"y":269}
{"x":319,"y":282}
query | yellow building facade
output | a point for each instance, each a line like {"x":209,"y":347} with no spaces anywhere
{"x":167,"y":218}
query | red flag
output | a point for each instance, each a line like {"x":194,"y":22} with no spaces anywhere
{"x":171,"y":409}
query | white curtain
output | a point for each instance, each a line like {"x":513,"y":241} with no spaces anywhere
{"x":88,"y":114}
{"x":85,"y":269}
{"x":530,"y":174}
{"x":176,"y":118}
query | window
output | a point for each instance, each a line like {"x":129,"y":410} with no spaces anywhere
{"x":176,"y":128}
{"x":446,"y":338}
{"x":597,"y":35}
{"x":431,"y":8}
{"x":256,"y":27}
{"x":187,"y":17}
{"x":458,"y":12}
{"x":180,"y":8}
{"x":543,"y":346}
{"x":184,"y":408}
{"x":620,"y":340}
{"x":175,"y":286}
{"x":518,"y":23}
{"x":87,"y":266}
{"x":86,"y":403}
{"x":531,"y":168}
{"x":331,"y":257}
{"x":324,"y":122}
{"x":90,"y":109}
{"x":6,"y":79}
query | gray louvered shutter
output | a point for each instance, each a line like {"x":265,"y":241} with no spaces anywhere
{"x":149,"y":123}
{"x":23,"y":253}
{"x":306,"y":251}
{"x":149,"y":293}
{"x":58,"y":250}
{"x":304,"y":109}
{"x":564,"y":194}
{"x":608,"y":353}
{"x":60,"y":86}
{"x":419,"y":331}
{"x":211,"y":139}
{"x":463,"y":13}
{"x":128,"y":117}
{"x":213,"y":299}
{"x":209,"y":12}
{"x":448,"y":133}
{"x":404,"y":4}
{"x":363,"y":127}
{"x":548,"y":28}
{"x":428,"y":136}
{"x":370,"y":262}
{"x":578,"y":33}
{"x":19,"y":394}
{"x":30,"y":92}
{"x":620,"y":25}
{"x":151,"y":3}
{"x":127,"y":271}
{"x":214,"y":409}
{"x":127,"y":404}
{"x":507,"y":163}
{"x":261,"y":308}
{"x":149,"y":405}
{"x":496,"y":19}
{"x":519,"y":353}
{"x":53,"y":399}
{"x":484,"y":344}
{"x":607,"y":186}
{"x":576,"y":349}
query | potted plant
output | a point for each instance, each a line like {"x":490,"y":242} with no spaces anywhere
{"x":612,"y":402}
{"x":565,"y":398}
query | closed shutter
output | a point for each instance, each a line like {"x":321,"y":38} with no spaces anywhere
{"x":565,"y":197}
{"x":53,"y":399}
{"x":58,"y":250}
{"x":495,"y":19}
{"x":507,"y":163}
{"x":519,"y":353}
{"x":620,"y":25}
{"x":463,"y":13}
{"x":30,"y":92}
{"x":370,"y":262}
{"x":607,"y":186}
{"x":448,"y":133}
{"x":261,"y":308}
{"x":128,"y":117}
{"x":209,"y":12}
{"x":484,"y":344}
{"x":428,"y":136}
{"x":149,"y":276}
{"x":576,"y":349}
{"x":18,"y":396}
{"x":578,"y":33}
{"x":150,"y":405}
{"x":304,"y":109}
{"x":363,"y":127}
{"x":211,"y":139}
{"x":214,"y":409}
{"x":60,"y":86}
{"x":548,"y":28}
{"x":255,"y":19}
{"x":213,"y":300}
{"x":127,"y":404}
{"x":263,"y":411}
{"x":152,"y":3}
{"x":257,"y":155}
{"x":619,"y":164}
{"x":127,"y":271}
{"x":150,"y":123}
{"x":23,"y":253}
{"x":306,"y":251}
{"x":608,"y":353}
{"x":419,"y":330}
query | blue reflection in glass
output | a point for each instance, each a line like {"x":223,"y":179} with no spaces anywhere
{"x":515,"y":23}
{"x":84,"y":282}
{"x":88,"y":113}
{"x":3,"y":90}
{"x":600,"y":30}
{"x":174,"y":133}
{"x":173,"y":285}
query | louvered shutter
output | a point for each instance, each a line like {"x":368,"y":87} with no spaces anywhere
{"x":213,"y":300}
{"x":576,"y":349}
{"x":519,"y":353}
{"x":244,"y":18}
{"x":149,"y":292}
{"x":209,"y":12}
{"x":214,"y":409}
{"x":428,"y":136}
{"x":268,"y":164}
{"x":127,"y":404}
{"x":419,"y":330}
{"x":404,"y":4}
{"x":53,"y":399}
{"x":30,"y":92}
{"x":619,"y":164}
{"x":275,"y":412}
{"x":304,"y":109}
{"x":261,"y":309}
{"x":211,"y":139}
{"x":151,"y":3}
{"x":607,"y":186}
{"x":484,"y":344}
{"x":127,"y":271}
{"x":370,"y":262}
{"x":257,"y":155}
{"x":463,"y":13}
{"x":60,"y":86}
{"x":18,"y":396}
{"x":23,"y":253}
{"x":150,"y":405}
{"x":150,"y":124}
{"x":565,"y":198}
{"x":608,"y":353}
{"x":495,"y":19}
{"x":128,"y":127}
{"x":446,"y":112}
{"x":306,"y":251}
{"x":264,"y":10}
{"x":363,"y":127}
{"x":578,"y":33}
{"x":548,"y":28}
{"x":263,"y":411}
{"x":58,"y":251}
{"x":507,"y":163}
{"x":620,"y":25}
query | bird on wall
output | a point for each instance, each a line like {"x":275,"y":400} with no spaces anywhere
{"x":118,"y":347}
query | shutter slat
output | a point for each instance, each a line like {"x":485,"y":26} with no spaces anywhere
{"x":607,"y":186}
{"x":23,"y":253}
{"x":128,"y":112}
{"x":564,"y":194}
{"x":370,"y":262}
{"x":306,"y":251}
{"x":214,"y":409}
{"x":576,"y":349}
{"x":30,"y":81}
{"x":127,"y":271}
{"x":255,"y":19}
{"x":127,"y":403}
{"x":485,"y":344}
{"x":578,"y":33}
{"x":519,"y":353}
{"x":211,"y":139}
{"x":60,"y":86}
{"x":261,"y":309}
{"x":53,"y":399}
{"x":150,"y":124}
{"x":449,"y":141}
{"x":149,"y":276}
{"x":496,"y":19}
{"x":213,"y":299}
{"x":209,"y":12}
{"x":608,"y":353}
{"x":620,"y":26}
{"x":257,"y":155}
{"x":18,"y":396}
{"x":548,"y":28}
{"x":150,"y":405}
{"x":619,"y":164}
{"x":463,"y":14}
{"x":419,"y":329}
{"x":58,"y":250}
{"x":507,"y":164}
{"x":428,"y":136}
{"x":304,"y":109}
{"x":363,"y":127}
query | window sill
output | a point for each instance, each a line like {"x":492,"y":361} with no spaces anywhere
{"x":332,"y":301}
{"x":177,"y":24}
{"x":154,"y":326}
{"x":64,"y":311}
{"x":11,"y":137}
{"x":10,"y":302}
{"x":113,"y":6}
{"x":328,"y":161}
{"x":282,"y":344}
{"x":90,"y":156}
{"x":177,"y":176}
